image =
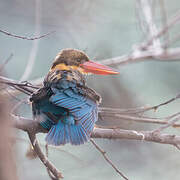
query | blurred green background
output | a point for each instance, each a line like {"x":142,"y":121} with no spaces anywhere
{"x":104,"y":29}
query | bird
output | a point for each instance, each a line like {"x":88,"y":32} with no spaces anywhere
{"x":65,"y":106}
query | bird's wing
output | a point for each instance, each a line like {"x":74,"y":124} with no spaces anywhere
{"x":83,"y":109}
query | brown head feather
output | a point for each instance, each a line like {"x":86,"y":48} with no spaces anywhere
{"x":70,"y":57}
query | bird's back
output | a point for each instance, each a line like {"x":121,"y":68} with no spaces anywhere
{"x":66,"y":107}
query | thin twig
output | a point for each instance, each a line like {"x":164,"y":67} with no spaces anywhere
{"x":48,"y":171}
{"x":24,"y":87}
{"x":24,"y":37}
{"x":107,"y":159}
{"x":139,"y":109}
{"x":142,"y":119}
{"x":170,"y":123}
{"x":177,"y":146}
{"x":172,"y":41}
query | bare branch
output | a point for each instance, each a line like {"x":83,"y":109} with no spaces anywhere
{"x":177,"y":146}
{"x":107,"y":159}
{"x":147,"y":55}
{"x":170,"y":123}
{"x":172,"y":41}
{"x":24,"y":37}
{"x":140,"y":119}
{"x":135,"y":135}
{"x":137,"y":110}
{"x":29,"y":125}
{"x":32,"y":127}
{"x":146,"y":8}
{"x":24,"y":87}
{"x":146,"y":52}
{"x":48,"y":171}
{"x":42,"y":157}
{"x":24,"y":124}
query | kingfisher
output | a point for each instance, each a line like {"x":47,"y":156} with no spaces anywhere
{"x":65,"y":106}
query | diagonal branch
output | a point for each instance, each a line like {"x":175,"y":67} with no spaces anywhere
{"x":42,"y":157}
{"x":107,"y":159}
{"x":32,"y":127}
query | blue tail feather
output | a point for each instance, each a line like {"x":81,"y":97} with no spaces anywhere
{"x":80,"y":135}
{"x":61,"y":134}
{"x":73,"y":134}
{"x":84,"y":136}
{"x":77,"y":138}
{"x":88,"y":125}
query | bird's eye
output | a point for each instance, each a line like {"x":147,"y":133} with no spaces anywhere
{"x":79,"y":60}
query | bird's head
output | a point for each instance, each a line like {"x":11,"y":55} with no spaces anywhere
{"x":72,"y":59}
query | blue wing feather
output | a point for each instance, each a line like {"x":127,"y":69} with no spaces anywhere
{"x":81,"y":109}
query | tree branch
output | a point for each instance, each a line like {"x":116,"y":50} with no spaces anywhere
{"x":146,"y":52}
{"x":107,"y":159}
{"x":32,"y":127}
{"x":24,"y":37}
{"x":105,"y":133}
{"x":42,"y":157}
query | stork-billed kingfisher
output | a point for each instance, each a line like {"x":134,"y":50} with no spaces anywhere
{"x":65,"y":106}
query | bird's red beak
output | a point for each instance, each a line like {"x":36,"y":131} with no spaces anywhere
{"x":96,"y":68}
